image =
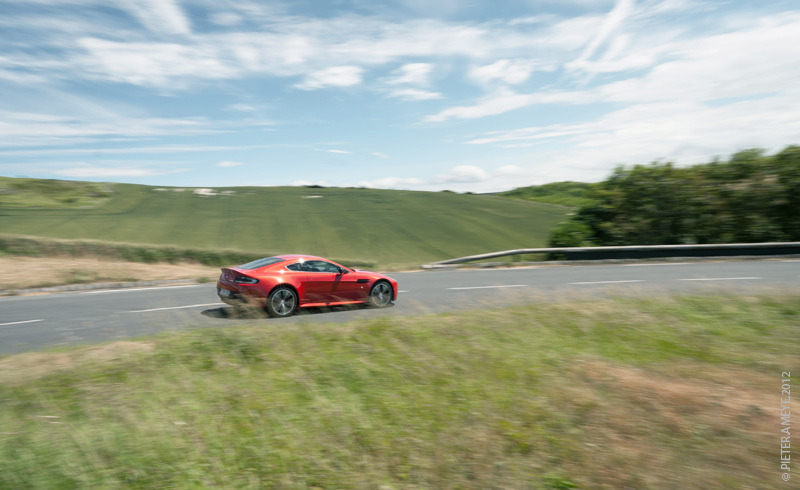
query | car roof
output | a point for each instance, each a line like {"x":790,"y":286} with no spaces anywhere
{"x":300,"y":256}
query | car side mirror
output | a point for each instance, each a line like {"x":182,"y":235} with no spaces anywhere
{"x":342,"y":270}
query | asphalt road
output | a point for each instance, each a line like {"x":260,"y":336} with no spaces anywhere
{"x":38,"y":321}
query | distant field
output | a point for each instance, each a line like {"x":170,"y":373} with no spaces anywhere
{"x":670,"y":393}
{"x":573,"y":194}
{"x":389,"y":228}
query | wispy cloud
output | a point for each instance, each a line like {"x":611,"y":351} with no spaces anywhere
{"x":461,"y":174}
{"x":512,"y":72}
{"x":702,"y":70}
{"x":159,"y":16}
{"x":94,"y":171}
{"x":414,"y":94}
{"x":411,"y":73}
{"x":622,"y":9}
{"x":336,"y":76}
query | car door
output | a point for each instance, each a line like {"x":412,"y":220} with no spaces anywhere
{"x":327,"y":283}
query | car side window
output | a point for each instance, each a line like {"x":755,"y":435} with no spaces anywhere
{"x":297,"y":267}
{"x":322,"y":266}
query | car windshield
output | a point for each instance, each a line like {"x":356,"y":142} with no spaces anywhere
{"x":257,"y":264}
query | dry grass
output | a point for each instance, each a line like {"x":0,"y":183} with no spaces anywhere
{"x":31,"y":272}
{"x":646,"y":429}
{"x":670,"y":393}
{"x":30,"y":366}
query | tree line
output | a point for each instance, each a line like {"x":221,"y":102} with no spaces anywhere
{"x":751,"y":197}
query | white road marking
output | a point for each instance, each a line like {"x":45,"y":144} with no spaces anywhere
{"x":605,"y":282}
{"x":722,"y":279}
{"x":20,"y":323}
{"x":177,"y":307}
{"x":493,"y":287}
{"x":403,"y":291}
{"x":125,"y":290}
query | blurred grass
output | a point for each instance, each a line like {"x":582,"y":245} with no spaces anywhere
{"x":626,"y":393}
{"x":42,"y":193}
{"x":388,"y":228}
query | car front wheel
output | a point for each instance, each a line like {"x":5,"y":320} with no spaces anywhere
{"x":282,"y":302}
{"x":380,"y":296}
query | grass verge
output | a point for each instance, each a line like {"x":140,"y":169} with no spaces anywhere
{"x":679,"y":392}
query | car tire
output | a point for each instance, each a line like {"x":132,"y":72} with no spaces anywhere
{"x":380,"y":296}
{"x":282,"y":302}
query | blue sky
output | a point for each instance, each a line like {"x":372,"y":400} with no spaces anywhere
{"x":463,"y":95}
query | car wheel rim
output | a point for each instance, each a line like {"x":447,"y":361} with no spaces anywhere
{"x":283,"y":302}
{"x":382,"y":294}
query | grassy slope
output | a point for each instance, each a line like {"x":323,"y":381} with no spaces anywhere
{"x":387,"y":227}
{"x":16,"y":192}
{"x":673,"y":393}
{"x":572,"y":194}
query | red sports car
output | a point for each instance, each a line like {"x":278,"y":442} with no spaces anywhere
{"x":285,"y":283}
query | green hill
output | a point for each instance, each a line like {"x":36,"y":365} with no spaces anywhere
{"x":390,"y":228}
{"x":572,"y":194}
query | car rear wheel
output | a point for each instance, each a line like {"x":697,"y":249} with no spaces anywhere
{"x":282,"y":302}
{"x":380,"y":296}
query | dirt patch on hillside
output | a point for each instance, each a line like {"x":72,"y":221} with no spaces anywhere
{"x":34,"y":272}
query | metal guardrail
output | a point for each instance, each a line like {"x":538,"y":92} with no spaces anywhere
{"x":640,"y":252}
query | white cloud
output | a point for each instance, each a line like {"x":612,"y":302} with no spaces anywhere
{"x":339,"y":152}
{"x":460,"y":175}
{"x":413,"y":94}
{"x":242,"y":107}
{"x":507,"y":71}
{"x":20,"y":129}
{"x":410,"y":83}
{"x":159,"y":16}
{"x":703,"y":70}
{"x":285,"y":46}
{"x":125,"y":150}
{"x":411,"y":73}
{"x":337,"y":76}
{"x":158,"y":64}
{"x":393,"y":183}
{"x":93,"y":171}
{"x":622,"y":9}
{"x":682,"y":132}
{"x":490,"y":105}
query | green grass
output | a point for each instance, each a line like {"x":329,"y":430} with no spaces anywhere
{"x":679,"y":393}
{"x":389,"y":228}
{"x":573,"y":194}
{"x":40,"y":193}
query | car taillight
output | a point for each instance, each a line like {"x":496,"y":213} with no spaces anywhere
{"x":245,"y":280}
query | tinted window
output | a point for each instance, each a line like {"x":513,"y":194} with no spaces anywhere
{"x":322,"y":266}
{"x":256,"y":264}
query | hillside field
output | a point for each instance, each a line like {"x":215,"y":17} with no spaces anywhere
{"x":388,"y":228}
